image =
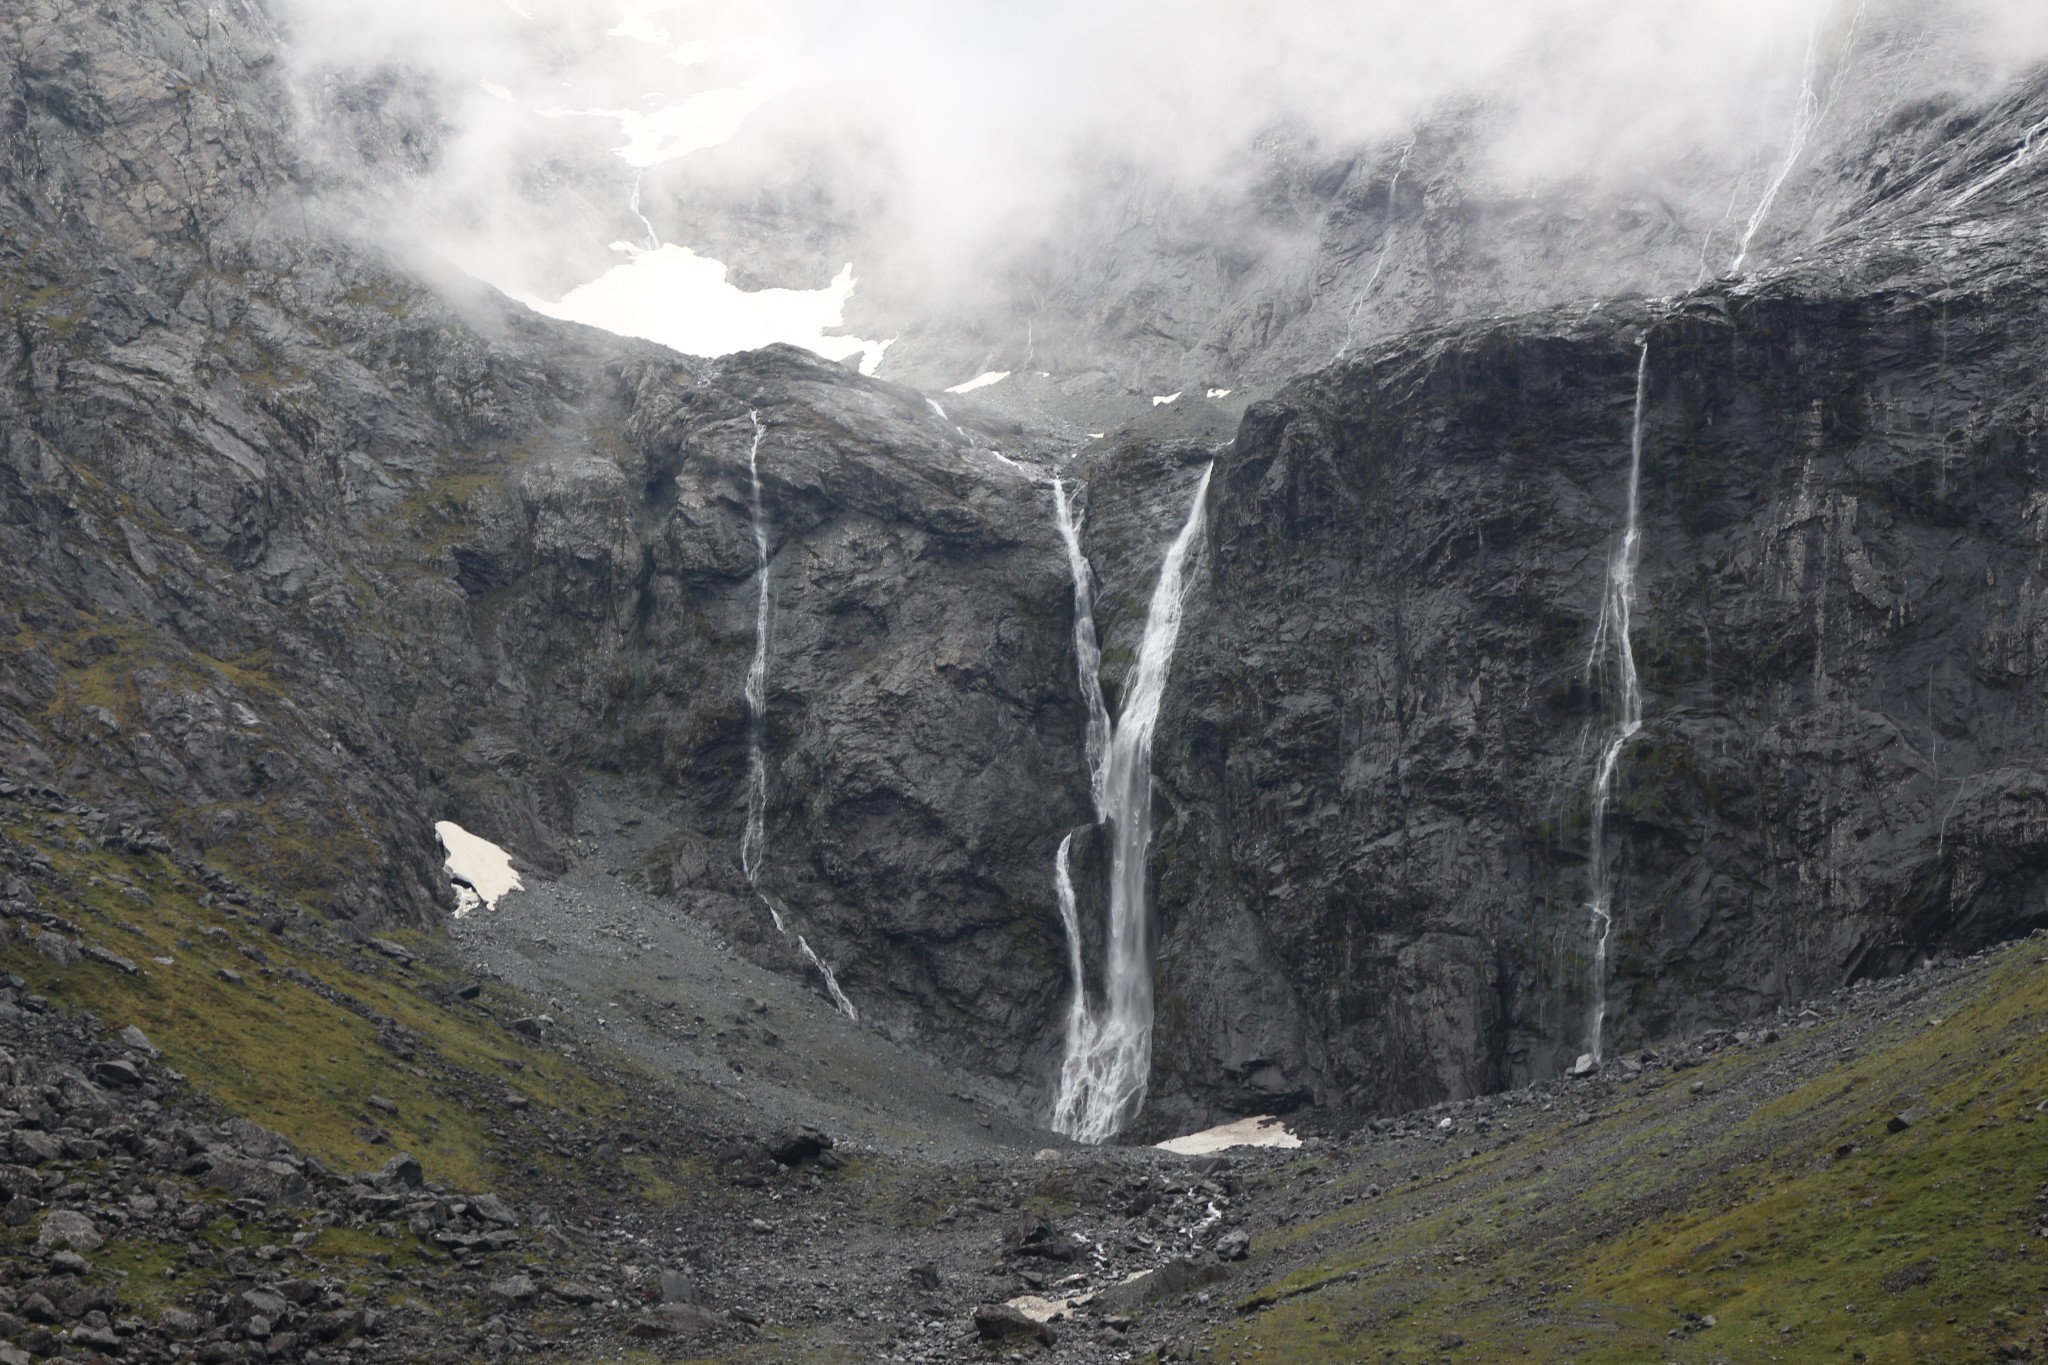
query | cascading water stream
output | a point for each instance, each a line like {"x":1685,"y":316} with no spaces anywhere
{"x":1387,"y":241}
{"x":1087,"y":654}
{"x":1108,"y":1059}
{"x":757,"y":681}
{"x":753,"y":834}
{"x":1804,"y":117}
{"x":2006,"y":168}
{"x":1611,"y":644}
{"x":653,"y":239}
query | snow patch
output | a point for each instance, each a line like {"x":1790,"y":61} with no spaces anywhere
{"x":1264,"y":1131}
{"x":683,"y":301}
{"x":1162,"y":400}
{"x":1219,"y":393}
{"x":981,"y":381}
{"x":479,"y":862}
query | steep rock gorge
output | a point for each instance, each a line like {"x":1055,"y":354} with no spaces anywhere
{"x":306,"y":544}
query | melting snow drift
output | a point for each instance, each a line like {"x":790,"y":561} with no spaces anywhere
{"x":981,"y":381}
{"x":479,"y":862}
{"x":1264,"y":1131}
{"x":683,"y":300}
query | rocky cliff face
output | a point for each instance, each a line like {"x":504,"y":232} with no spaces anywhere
{"x":305,"y":548}
{"x":1387,"y":727}
{"x":304,"y":554}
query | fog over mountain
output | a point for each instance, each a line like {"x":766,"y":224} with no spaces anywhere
{"x":950,"y":146}
{"x":1130,"y":682}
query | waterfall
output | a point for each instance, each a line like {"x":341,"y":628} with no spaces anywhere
{"x":1387,"y":241}
{"x":1087,"y":653}
{"x":757,"y":681}
{"x":1108,"y":1057}
{"x":2011,"y":164}
{"x":1804,"y":117}
{"x":839,"y":999}
{"x":1611,"y":643}
{"x":652,"y":240}
{"x":752,"y":836}
{"x":1079,"y":1023}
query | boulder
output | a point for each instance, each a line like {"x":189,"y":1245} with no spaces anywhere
{"x":794,"y":1146}
{"x":999,"y":1322}
{"x":511,"y":1291}
{"x":69,"y":1228}
{"x":1175,"y":1277}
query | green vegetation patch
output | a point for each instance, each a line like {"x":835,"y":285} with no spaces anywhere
{"x":1700,"y":1225}
{"x":295,"y":1027}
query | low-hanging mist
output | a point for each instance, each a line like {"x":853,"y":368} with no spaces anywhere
{"x":944,"y":147}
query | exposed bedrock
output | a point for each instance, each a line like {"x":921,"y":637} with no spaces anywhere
{"x":1380,"y":740}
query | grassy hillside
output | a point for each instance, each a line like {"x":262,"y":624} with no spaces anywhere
{"x":1761,"y":1205}
{"x":286,"y":1018}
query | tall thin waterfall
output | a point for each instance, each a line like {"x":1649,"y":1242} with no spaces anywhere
{"x":1088,"y":654}
{"x":1387,"y":240}
{"x":652,"y":241}
{"x":1108,"y":1058}
{"x":757,"y":681}
{"x":1079,"y":1023}
{"x":753,"y":835}
{"x":1611,"y":648}
{"x":1804,"y":117}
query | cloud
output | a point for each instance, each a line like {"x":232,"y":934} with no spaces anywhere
{"x":974,"y":123}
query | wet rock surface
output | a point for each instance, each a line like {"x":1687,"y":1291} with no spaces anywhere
{"x":1380,"y":744}
{"x":301,"y":550}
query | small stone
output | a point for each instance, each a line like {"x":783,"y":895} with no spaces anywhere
{"x":925,"y":1276}
{"x":396,"y":951}
{"x":33,"y":1149}
{"x":58,"y":949}
{"x":68,"y":1227}
{"x":1234,"y":1245}
{"x":383,"y":1105}
{"x":99,"y":1338}
{"x":676,"y":1287}
{"x":110,"y":958}
{"x":70,"y":1263}
{"x":496,"y":1210}
{"x":401,"y":1170}
{"x":760,"y":1225}
{"x":1001,"y":1322}
{"x":1900,"y":1122}
{"x":513,"y":1289}
{"x":118,"y":1073}
{"x":261,"y":1303}
{"x":1585,"y":1065}
{"x":795,"y":1146}
{"x":135,"y":1038}
{"x":229,"y":975}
